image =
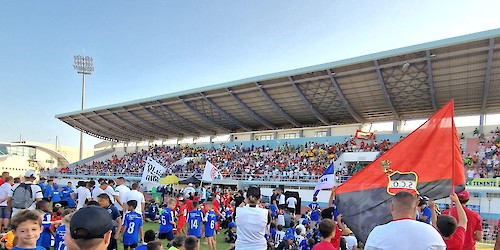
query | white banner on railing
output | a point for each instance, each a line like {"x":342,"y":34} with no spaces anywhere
{"x":152,"y":172}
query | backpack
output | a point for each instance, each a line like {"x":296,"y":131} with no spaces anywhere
{"x":22,"y":197}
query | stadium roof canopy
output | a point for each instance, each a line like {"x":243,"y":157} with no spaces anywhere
{"x":400,"y":84}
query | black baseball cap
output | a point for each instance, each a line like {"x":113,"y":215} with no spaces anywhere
{"x":90,"y":222}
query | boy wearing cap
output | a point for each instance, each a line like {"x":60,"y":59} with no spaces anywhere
{"x":27,"y":226}
{"x":474,"y":230}
{"x":132,"y":226}
{"x":85,"y":234}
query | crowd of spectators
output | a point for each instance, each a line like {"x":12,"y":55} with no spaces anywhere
{"x":286,"y":161}
{"x":485,"y":162}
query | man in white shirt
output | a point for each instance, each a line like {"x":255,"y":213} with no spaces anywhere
{"x":134,"y":194}
{"x":291,"y":204}
{"x":4,"y":209}
{"x":189,"y":190}
{"x":122,"y":191}
{"x":83,"y":193}
{"x":105,"y":188}
{"x":410,"y":234}
{"x":36,"y":193}
{"x":281,"y":199}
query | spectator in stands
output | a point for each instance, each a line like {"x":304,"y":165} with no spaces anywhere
{"x":474,"y":230}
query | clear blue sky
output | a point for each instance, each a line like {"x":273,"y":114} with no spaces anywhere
{"x":147,"y":48}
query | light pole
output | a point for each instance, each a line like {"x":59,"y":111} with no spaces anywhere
{"x":85,"y":66}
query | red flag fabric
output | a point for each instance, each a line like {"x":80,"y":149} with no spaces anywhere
{"x":427,"y":162}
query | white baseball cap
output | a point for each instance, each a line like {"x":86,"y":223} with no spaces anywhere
{"x":29,"y":174}
{"x":190,"y":184}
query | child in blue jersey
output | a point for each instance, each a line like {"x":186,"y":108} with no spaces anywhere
{"x":307,"y":244}
{"x":61,"y":230}
{"x":25,"y":224}
{"x":56,"y":196}
{"x":132,"y":227}
{"x":46,"y":235}
{"x":167,"y":222}
{"x":153,"y":211}
{"x":315,"y":210}
{"x":194,"y":220}
{"x":149,"y":236}
{"x":210,"y":220}
{"x":274,"y":212}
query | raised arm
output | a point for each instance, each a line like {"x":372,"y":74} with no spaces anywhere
{"x":432,"y":206}
{"x":332,"y":197}
{"x":462,"y":217}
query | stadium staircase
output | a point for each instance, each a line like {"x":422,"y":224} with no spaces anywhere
{"x":102,"y":156}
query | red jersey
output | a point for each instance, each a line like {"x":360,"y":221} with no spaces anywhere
{"x":2,"y":181}
{"x":336,"y":239}
{"x":324,"y":245}
{"x":474,"y":223}
{"x":189,"y":205}
{"x":456,"y":241}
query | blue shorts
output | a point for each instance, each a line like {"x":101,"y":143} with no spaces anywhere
{"x":5,"y":213}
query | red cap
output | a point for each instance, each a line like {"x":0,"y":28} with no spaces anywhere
{"x":464,"y":195}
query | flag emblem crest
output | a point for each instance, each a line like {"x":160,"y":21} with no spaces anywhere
{"x":399,"y":181}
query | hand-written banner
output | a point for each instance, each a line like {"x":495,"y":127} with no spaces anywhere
{"x":152,"y":171}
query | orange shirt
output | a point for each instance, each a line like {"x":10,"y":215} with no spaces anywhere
{"x":8,"y":238}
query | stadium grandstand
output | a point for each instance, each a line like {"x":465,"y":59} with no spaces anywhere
{"x":289,"y":126}
{"x":325,"y":104}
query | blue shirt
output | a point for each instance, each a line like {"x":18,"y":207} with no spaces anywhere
{"x":132,"y":221}
{"x":66,"y":194}
{"x":166,"y":217}
{"x":152,"y":211}
{"x":194,"y":220}
{"x":314,"y":206}
{"x":210,"y":220}
{"x":37,"y":248}
{"x":47,"y":191}
{"x":56,"y":195}
{"x":303,"y":245}
{"x":45,"y":236}
{"x":426,"y":212}
{"x":142,"y":247}
{"x":274,"y":210}
{"x":59,"y":238}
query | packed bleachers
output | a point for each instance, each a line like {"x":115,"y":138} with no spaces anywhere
{"x":282,"y":162}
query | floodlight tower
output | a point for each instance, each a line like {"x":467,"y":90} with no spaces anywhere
{"x":85,"y":66}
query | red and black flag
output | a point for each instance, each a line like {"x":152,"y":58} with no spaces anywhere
{"x":427,"y":162}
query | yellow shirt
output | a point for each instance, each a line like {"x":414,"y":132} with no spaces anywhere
{"x":9,"y":239}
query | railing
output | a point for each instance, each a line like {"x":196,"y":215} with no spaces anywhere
{"x":183,"y":175}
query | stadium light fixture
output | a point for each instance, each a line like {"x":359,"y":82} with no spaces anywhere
{"x":83,"y":65}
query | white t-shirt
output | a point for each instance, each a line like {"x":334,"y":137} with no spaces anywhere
{"x":4,"y":193}
{"x":281,"y":199}
{"x":36,"y":191}
{"x":188,"y":190}
{"x":137,"y":196}
{"x":411,"y":235}
{"x":278,"y":237}
{"x":281,"y":219}
{"x":291,"y":201}
{"x":351,"y":242}
{"x":302,"y":229}
{"x":121,"y":191}
{"x":83,"y":194}
{"x":109,"y":191}
{"x":252,"y":226}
